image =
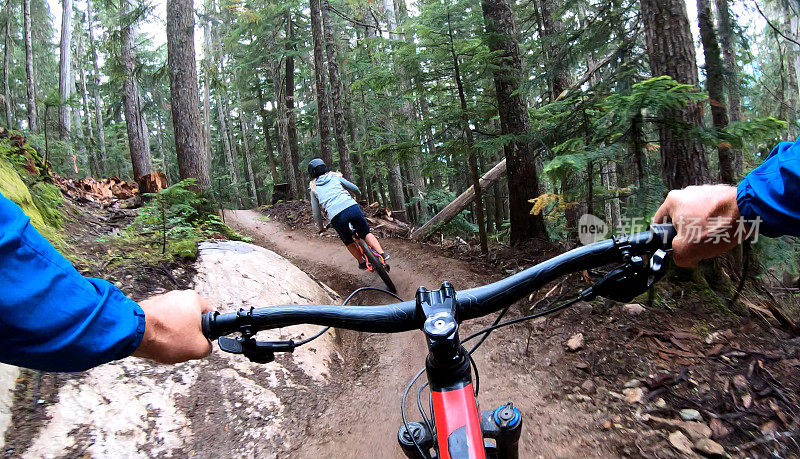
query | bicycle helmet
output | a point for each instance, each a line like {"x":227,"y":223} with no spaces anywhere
{"x":316,"y":167}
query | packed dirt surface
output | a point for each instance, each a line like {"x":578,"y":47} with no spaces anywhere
{"x":665,"y":378}
{"x":363,"y":419}
{"x":671,"y":378}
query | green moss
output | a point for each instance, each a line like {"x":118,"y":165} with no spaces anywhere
{"x":48,"y":198}
{"x":41,"y":206}
{"x":185,"y":248}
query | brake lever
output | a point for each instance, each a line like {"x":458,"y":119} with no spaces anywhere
{"x":255,"y":351}
{"x":630,"y":280}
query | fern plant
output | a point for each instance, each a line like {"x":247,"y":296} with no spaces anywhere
{"x":179,"y":218}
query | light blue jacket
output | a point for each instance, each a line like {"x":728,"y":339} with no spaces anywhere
{"x":331,"y":193}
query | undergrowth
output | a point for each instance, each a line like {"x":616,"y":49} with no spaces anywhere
{"x":171,"y":225}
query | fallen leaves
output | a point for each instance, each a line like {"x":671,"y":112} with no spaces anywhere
{"x":102,"y":191}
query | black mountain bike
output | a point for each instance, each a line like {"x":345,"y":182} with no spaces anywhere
{"x":456,"y":428}
{"x":374,"y":260}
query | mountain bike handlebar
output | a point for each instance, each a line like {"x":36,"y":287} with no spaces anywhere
{"x":471,"y":304}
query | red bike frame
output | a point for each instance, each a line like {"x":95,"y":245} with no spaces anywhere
{"x":458,"y":424}
{"x":455,"y":410}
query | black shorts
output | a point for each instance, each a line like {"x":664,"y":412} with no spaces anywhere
{"x":351,"y":216}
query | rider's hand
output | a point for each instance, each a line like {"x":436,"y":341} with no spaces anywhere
{"x":172,"y":331}
{"x":698,"y":212}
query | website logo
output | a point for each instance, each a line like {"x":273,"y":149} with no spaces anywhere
{"x":591,"y":229}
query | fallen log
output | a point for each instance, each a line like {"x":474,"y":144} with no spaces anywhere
{"x":458,"y":204}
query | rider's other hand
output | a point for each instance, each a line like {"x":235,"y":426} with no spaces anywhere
{"x":172,"y":327}
{"x":706,"y":219}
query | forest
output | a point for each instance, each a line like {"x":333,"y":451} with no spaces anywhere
{"x":164,"y":144}
{"x":568,"y":107}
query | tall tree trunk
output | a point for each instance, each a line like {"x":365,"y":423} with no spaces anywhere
{"x":323,"y":117}
{"x":794,"y":28}
{"x":793,"y":87}
{"x":223,"y":117}
{"x":612,"y":208}
{"x":336,"y":94}
{"x":6,"y":66}
{"x":98,"y":110}
{"x":79,"y":143}
{"x":273,"y":167}
{"x":355,"y":157}
{"x":391,"y":18}
{"x":499,"y":204}
{"x":638,"y":144}
{"x":189,"y":138}
{"x":65,"y":70}
{"x":33,"y":125}
{"x":93,"y":161}
{"x":140,"y":158}
{"x":671,"y":51}
{"x":523,"y":177}
{"x":256,"y":177}
{"x":473,"y":161}
{"x":725,"y":26}
{"x":145,"y":125}
{"x":732,"y":78}
{"x":250,"y":171}
{"x":207,"y":66}
{"x":715,"y":86}
{"x":396,"y":195}
{"x":551,"y":28}
{"x":227,"y":148}
{"x":284,"y":150}
{"x":165,"y":152}
{"x":382,"y":191}
{"x":291,"y":123}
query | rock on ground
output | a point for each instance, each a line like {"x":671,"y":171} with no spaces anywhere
{"x":633,"y":309}
{"x":679,"y":441}
{"x":223,"y":406}
{"x":8,"y":379}
{"x":576,"y":342}
{"x":709,"y":447}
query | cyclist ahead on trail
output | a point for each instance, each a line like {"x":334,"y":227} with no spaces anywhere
{"x":330,"y":192}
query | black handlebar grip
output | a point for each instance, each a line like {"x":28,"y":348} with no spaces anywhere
{"x":207,"y":323}
{"x":664,"y":233}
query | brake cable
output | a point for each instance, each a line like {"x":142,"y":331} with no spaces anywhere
{"x":405,"y":420}
{"x":488,"y":332}
{"x":264,"y":351}
{"x":548,"y":311}
{"x":345,"y":303}
{"x":485,"y":332}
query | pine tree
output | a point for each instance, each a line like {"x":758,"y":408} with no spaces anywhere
{"x":189,"y":138}
{"x":671,"y":51}
{"x":523,"y":177}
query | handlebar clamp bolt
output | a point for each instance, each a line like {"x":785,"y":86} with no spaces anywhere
{"x":440,"y":324}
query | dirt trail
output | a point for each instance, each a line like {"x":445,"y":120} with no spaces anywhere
{"x":363,"y":419}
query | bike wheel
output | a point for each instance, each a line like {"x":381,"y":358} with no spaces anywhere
{"x":377,"y":266}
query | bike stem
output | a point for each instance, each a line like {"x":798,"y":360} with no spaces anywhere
{"x":460,"y":426}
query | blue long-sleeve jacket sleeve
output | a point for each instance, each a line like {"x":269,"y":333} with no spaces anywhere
{"x":51,"y":317}
{"x":771,"y":192}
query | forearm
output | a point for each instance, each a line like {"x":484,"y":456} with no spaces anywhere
{"x":315,"y":210}
{"x":51,"y":317}
{"x":350,"y":186}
